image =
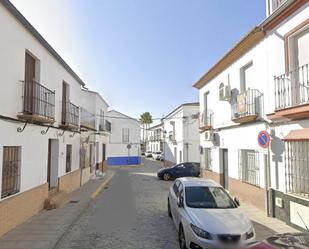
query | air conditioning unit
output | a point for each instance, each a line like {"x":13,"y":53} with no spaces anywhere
{"x":224,"y":92}
{"x":209,"y":135}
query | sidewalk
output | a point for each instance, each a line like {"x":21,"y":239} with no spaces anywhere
{"x":265,"y":226}
{"x":45,"y":229}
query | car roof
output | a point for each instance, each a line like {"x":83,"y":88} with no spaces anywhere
{"x":196,"y":181}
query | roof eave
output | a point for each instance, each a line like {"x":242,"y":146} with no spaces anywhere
{"x":15,"y":12}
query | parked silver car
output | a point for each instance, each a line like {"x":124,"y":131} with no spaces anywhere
{"x":206,"y":216}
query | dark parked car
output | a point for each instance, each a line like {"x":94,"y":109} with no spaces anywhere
{"x":179,"y":170}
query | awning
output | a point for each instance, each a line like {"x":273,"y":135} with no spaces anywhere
{"x":297,"y":135}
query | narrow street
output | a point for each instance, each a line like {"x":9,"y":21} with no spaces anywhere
{"x":130,"y":214}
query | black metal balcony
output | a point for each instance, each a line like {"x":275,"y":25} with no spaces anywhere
{"x":206,"y":120}
{"x":108,"y":126}
{"x":38,"y":103}
{"x":87,"y":120}
{"x":292,"y":88}
{"x":105,"y":126}
{"x":70,"y":116}
{"x":248,"y":106}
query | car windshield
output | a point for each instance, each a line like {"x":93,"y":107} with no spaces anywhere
{"x":208,"y":197}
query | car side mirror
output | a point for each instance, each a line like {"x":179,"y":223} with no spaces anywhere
{"x":180,"y":202}
{"x":236,"y":200}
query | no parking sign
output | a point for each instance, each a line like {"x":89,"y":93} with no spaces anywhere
{"x":264,"y":139}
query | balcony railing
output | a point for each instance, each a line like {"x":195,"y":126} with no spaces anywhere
{"x":292,"y":88}
{"x":105,"y":126}
{"x":248,"y":106}
{"x":38,"y":103}
{"x":108,"y":126}
{"x":87,"y":119}
{"x":206,"y":119}
{"x":70,"y":115}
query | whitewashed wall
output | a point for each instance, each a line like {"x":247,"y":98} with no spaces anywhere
{"x":268,"y":58}
{"x":116,"y":147}
{"x":186,"y":131}
{"x":15,"y":41}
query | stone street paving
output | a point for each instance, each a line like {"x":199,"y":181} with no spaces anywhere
{"x":130,"y":214}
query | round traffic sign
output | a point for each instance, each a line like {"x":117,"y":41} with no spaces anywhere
{"x":129,"y":146}
{"x":264,"y":139}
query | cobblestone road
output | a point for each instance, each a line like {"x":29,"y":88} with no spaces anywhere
{"x":129,"y":214}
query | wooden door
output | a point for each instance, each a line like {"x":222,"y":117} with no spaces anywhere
{"x":29,"y":84}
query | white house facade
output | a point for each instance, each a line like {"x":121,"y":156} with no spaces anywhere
{"x":262,"y":85}
{"x":95,"y":131}
{"x":53,"y":133}
{"x":124,"y":147}
{"x":155,"y":138}
{"x":181,"y":134}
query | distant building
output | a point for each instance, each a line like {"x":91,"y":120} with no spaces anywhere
{"x":181,"y":134}
{"x":124,"y":147}
{"x":155,"y":138}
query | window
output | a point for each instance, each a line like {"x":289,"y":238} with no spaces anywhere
{"x":68,"y":161}
{"x":206,"y":101}
{"x":10,"y":170}
{"x":207,"y":159}
{"x":297,"y":167}
{"x":249,"y":169}
{"x":273,"y":5}
{"x":125,"y":135}
{"x":246,"y":77}
{"x":180,"y":190}
{"x":298,"y":46}
{"x":82,"y":157}
{"x":208,"y":197}
{"x":101,"y":124}
{"x":175,"y":187}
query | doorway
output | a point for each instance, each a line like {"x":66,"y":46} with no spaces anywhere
{"x":29,"y":87}
{"x":224,"y":179}
{"x":103,"y":152}
{"x":52,"y":163}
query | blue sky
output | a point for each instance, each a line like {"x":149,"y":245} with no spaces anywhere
{"x":143,"y":55}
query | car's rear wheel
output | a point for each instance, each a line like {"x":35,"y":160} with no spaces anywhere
{"x":167,"y":176}
{"x":169,"y":208}
{"x":181,"y":238}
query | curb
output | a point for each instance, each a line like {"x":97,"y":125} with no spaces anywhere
{"x":92,"y":198}
{"x":135,"y":166}
{"x":99,"y":189}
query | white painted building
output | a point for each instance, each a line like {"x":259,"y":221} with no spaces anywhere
{"x":155,"y":136}
{"x":45,"y":116}
{"x":262,"y":84}
{"x":95,"y":131}
{"x":124,"y":147}
{"x":181,"y":134}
